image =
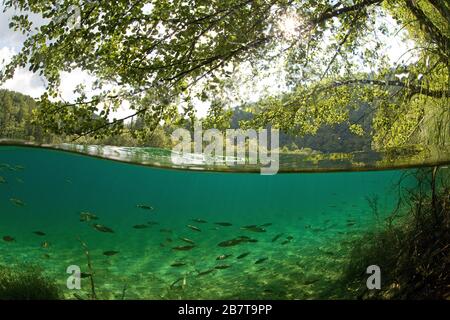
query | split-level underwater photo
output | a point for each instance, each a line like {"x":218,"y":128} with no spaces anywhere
{"x":121,"y":126}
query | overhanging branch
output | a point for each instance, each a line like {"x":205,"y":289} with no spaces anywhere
{"x":413,"y":89}
{"x":337,"y":12}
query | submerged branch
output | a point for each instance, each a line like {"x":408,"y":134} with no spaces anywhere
{"x":91,"y":272}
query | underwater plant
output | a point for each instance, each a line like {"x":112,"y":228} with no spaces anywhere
{"x":26,"y":282}
{"x":411,"y":253}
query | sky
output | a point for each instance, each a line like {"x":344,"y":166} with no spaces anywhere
{"x":31,"y":84}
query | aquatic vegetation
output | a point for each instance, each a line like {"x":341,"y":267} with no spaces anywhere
{"x":26,"y":282}
{"x":412,"y":252}
{"x":90,"y":274}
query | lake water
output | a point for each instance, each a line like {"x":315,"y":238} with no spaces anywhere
{"x":183,"y":233}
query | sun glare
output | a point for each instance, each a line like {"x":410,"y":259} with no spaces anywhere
{"x":289,"y":25}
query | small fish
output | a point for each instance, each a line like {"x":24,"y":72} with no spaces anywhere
{"x":144,"y":207}
{"x":261,"y":260}
{"x":236,"y":241}
{"x":289,"y":238}
{"x":311,"y":281}
{"x":169,"y":240}
{"x":140,"y":226}
{"x":278,"y":236}
{"x":17,"y":202}
{"x":39,"y":233}
{"x":19,"y":167}
{"x":254,"y":229}
{"x":193,"y":228}
{"x":266,"y":224}
{"x":223,"y":256}
{"x":45,"y":244}
{"x":187,"y":240}
{"x":222,"y":266}
{"x":87,"y":216}
{"x":223,"y":224}
{"x":46,"y":256}
{"x":199,"y":220}
{"x":110,"y":253}
{"x":178,"y":264}
{"x":230,"y":243}
{"x":102,"y":228}
{"x":202,"y":273}
{"x":152,"y":223}
{"x":183,"y":248}
{"x":183,"y":283}
{"x":241,"y":256}
{"x":285,"y":242}
{"x":350,"y":224}
{"x":8,"y":239}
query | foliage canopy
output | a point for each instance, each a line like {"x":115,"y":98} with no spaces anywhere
{"x":162,"y":55}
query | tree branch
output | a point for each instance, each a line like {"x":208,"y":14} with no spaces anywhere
{"x":337,"y":12}
{"x":442,"y":8}
{"x":394,"y":83}
{"x":442,"y":41}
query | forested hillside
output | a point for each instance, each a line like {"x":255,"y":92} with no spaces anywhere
{"x":16,"y":115}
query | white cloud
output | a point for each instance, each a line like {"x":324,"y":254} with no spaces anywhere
{"x":26,"y":82}
{"x":23,"y":81}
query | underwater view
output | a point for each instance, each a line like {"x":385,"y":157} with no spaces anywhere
{"x":188,"y":152}
{"x":154,"y":233}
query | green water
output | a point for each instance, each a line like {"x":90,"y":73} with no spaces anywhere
{"x":318,"y":212}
